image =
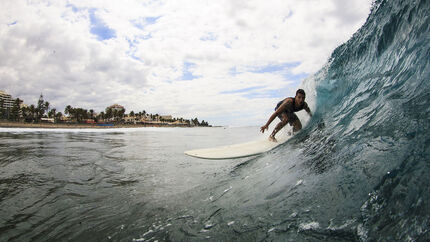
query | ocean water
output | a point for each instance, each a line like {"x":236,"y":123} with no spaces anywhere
{"x":358,"y":171}
{"x":100,"y":185}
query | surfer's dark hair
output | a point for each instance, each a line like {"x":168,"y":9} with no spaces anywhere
{"x":301,"y":91}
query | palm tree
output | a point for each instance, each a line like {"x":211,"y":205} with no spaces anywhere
{"x":58,"y":116}
{"x":51,"y":114}
{"x":15,"y":110}
{"x":46,"y":106}
{"x":115,"y":114}
{"x":196,"y":122}
{"x":102,"y":116}
{"x":121,"y":113}
{"x":68,"y":110}
{"x":92,"y":113}
{"x":33,"y":112}
{"x":80,"y":114}
{"x":40,"y":107}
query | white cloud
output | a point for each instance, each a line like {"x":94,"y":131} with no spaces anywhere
{"x":139,"y":53}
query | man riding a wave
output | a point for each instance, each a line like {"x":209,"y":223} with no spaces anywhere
{"x":285,"y":111}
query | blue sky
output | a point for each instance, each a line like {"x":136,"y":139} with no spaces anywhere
{"x":227,"y":62}
{"x":99,"y":28}
{"x":187,"y":73}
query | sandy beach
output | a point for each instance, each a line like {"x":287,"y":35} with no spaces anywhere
{"x":79,"y":126}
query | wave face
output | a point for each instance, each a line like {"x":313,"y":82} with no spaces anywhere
{"x":371,"y":132}
{"x":360,"y":169}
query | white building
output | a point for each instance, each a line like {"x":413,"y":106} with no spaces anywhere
{"x":166,"y":117}
{"x":7,"y":100}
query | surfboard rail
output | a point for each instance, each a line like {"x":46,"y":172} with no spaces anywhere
{"x":236,"y":151}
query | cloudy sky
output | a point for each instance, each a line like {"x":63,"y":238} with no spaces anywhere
{"x":227,"y":62}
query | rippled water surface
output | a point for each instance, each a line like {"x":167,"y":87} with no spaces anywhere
{"x":101,"y":184}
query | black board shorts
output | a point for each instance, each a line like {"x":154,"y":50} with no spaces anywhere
{"x":292,"y":117}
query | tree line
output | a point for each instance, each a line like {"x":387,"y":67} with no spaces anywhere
{"x":43,"y":110}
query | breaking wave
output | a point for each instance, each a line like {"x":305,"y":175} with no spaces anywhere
{"x":359,"y":169}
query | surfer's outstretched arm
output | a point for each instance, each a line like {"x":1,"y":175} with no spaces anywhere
{"x":266,"y":126}
{"x":274,"y":115}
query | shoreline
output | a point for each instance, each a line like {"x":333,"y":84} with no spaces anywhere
{"x":83,"y":126}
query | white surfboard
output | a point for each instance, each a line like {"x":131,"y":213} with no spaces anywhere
{"x":237,"y":150}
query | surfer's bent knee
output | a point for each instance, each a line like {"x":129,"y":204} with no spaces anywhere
{"x":297,"y":125}
{"x":284,"y":122}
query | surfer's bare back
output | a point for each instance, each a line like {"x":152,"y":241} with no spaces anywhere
{"x":285,"y":111}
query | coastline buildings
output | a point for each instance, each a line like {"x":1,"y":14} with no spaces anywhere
{"x":15,"y":110}
{"x":6,"y":100}
{"x":8,"y":108}
{"x":166,"y":117}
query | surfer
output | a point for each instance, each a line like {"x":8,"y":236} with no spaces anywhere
{"x":285,"y":111}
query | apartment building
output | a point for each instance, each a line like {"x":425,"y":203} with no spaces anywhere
{"x":7,"y":100}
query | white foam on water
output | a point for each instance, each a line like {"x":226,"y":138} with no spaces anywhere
{"x":85,"y":130}
{"x":309,"y":226}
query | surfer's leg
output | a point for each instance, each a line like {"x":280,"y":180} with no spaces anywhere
{"x":297,"y":125}
{"x":279,"y":126}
